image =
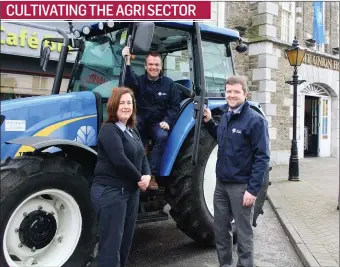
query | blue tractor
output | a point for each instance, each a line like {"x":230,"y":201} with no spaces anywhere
{"x":48,"y":143}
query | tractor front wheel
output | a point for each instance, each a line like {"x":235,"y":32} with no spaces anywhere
{"x":46,"y":213}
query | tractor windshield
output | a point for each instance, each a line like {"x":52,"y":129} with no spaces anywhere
{"x":99,"y":65}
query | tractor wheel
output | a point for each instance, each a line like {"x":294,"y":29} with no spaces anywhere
{"x":46,"y":213}
{"x":191,"y":193}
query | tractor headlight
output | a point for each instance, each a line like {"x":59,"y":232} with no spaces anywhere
{"x":110,"y":24}
{"x":86,"y":30}
{"x":76,"y":33}
{"x":101,"y":26}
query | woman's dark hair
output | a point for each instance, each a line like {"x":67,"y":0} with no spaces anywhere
{"x":113,"y":104}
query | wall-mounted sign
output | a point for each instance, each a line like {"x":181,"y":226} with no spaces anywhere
{"x":322,"y":62}
{"x":26,"y":41}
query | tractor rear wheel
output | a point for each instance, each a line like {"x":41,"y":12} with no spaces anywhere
{"x":46,"y":213}
{"x":191,"y":193}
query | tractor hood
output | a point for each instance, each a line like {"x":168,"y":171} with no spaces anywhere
{"x":66,"y":116}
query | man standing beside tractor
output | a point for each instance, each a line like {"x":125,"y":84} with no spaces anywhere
{"x":158,"y":103}
{"x":242,"y":161}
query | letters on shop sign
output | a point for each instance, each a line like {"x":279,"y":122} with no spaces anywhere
{"x":23,"y":39}
{"x":318,"y":61}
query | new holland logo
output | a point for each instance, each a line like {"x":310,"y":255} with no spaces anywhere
{"x":86,"y":135}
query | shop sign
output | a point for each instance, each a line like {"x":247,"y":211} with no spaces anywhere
{"x":26,"y":41}
{"x":318,"y":61}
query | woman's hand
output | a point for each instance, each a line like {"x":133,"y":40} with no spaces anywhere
{"x":144,"y":182}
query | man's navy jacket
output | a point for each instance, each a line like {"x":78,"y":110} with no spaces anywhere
{"x":156,"y":100}
{"x":243,"y":147}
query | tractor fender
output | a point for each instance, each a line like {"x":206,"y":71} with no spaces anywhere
{"x":179,"y":133}
{"x":76,"y":151}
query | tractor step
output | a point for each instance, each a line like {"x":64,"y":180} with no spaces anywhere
{"x":152,"y":216}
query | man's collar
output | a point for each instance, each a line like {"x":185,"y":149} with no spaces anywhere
{"x":151,"y":80}
{"x":239,"y":109}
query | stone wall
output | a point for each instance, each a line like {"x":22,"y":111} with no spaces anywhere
{"x":307,"y":21}
{"x":305,"y":28}
{"x":239,"y":14}
{"x":331,"y":25}
{"x":268,"y":69}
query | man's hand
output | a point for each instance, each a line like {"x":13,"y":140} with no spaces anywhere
{"x":164,"y":125}
{"x":126,"y":51}
{"x":144,"y":182}
{"x":206,"y":114}
{"x":248,"y":199}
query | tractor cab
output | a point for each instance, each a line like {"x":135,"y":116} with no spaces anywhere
{"x":98,"y":68}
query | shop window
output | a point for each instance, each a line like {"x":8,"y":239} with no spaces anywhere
{"x":14,"y":85}
{"x":287,"y":21}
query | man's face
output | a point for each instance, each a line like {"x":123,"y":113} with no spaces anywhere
{"x":234,"y":95}
{"x":153,"y":66}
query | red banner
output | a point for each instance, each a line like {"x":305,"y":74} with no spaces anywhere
{"x":103,"y":10}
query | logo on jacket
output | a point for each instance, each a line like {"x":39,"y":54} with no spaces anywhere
{"x":235,"y":131}
{"x":160,"y":93}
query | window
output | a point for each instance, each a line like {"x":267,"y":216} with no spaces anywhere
{"x":176,"y":65}
{"x":14,"y":85}
{"x":218,"y":67}
{"x":217,"y":15}
{"x":324,"y":117}
{"x":99,"y":68}
{"x":287,"y":21}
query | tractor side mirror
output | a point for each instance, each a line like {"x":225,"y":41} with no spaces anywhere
{"x":143,"y":34}
{"x":45,"y":57}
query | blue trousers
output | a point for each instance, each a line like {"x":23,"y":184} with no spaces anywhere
{"x":117,"y":213}
{"x":159,"y":136}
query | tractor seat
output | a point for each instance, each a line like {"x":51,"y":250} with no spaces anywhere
{"x":184,"y":88}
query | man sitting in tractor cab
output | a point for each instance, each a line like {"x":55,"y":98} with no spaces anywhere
{"x":158,"y":103}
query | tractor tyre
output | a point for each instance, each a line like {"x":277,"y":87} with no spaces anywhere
{"x":191,"y":192}
{"x":46,"y":213}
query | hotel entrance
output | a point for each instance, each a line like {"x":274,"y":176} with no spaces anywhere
{"x":316,"y":121}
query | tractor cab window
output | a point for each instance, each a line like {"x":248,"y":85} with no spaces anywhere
{"x":99,"y":66}
{"x":172,"y":44}
{"x":218,"y":67}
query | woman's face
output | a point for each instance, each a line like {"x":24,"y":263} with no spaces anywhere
{"x":125,"y":108}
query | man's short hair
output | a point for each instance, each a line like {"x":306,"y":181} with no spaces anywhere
{"x":242,"y":80}
{"x":153,"y":54}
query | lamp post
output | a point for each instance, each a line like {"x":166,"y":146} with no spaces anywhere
{"x":295,"y":55}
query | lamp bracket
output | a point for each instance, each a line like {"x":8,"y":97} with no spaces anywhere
{"x":297,"y":82}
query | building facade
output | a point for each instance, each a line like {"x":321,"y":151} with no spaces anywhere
{"x":269,"y":28}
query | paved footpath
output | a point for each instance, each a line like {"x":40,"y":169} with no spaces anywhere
{"x":307,"y":209}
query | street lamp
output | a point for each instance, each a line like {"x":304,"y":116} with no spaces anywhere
{"x":295,"y":55}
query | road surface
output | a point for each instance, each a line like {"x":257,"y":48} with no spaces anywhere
{"x":162,"y":244}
